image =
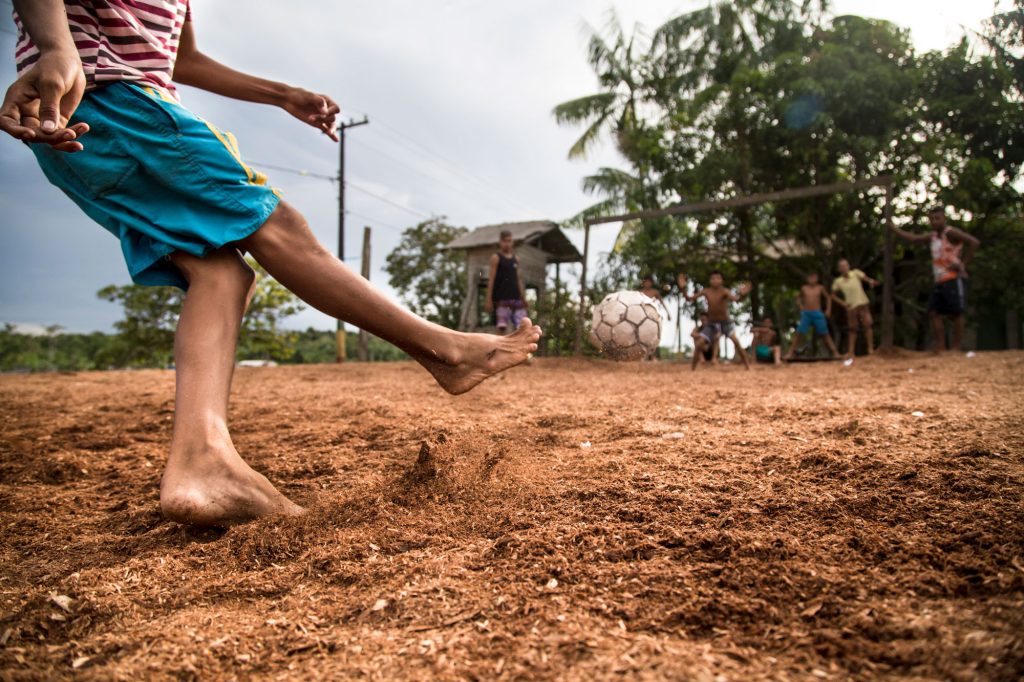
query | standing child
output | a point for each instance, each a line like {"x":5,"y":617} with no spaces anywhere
{"x":766,"y":349}
{"x":174,"y":191}
{"x":506,"y":296}
{"x":850,"y":285}
{"x":718,"y":298}
{"x":810,"y":297}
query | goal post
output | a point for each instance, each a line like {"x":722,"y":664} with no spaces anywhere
{"x":885,"y":181}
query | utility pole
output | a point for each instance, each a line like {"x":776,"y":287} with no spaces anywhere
{"x":341,"y":216}
{"x":364,"y":338}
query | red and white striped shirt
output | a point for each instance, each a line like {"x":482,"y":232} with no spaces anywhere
{"x":119,"y":40}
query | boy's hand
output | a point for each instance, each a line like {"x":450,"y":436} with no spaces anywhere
{"x":38,"y":105}
{"x":313,"y":109}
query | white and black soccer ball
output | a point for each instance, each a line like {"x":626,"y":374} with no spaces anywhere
{"x":626,"y":326}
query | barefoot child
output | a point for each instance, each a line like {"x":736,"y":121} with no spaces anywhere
{"x":102,"y":116}
{"x":850,"y":285}
{"x":506,"y":296}
{"x":951,"y":250}
{"x":705,"y":342}
{"x":765,"y":347}
{"x":718,"y":298}
{"x":810,"y":297}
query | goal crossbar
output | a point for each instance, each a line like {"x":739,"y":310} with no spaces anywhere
{"x":885,"y":181}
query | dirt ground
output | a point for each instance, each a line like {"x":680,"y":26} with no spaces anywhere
{"x":571,"y":519}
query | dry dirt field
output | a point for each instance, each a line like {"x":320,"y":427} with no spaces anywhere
{"x":801,"y":523}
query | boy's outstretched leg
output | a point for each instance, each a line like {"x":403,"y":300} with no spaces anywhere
{"x":206,"y":483}
{"x":289,"y":251}
{"x":739,"y":349}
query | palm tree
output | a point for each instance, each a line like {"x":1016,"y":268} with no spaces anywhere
{"x":620,"y":74}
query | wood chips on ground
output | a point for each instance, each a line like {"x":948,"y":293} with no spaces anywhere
{"x":811,"y":522}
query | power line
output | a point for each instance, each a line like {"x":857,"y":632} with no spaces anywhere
{"x":375,"y":222}
{"x":387,"y":201}
{"x":353,"y":185}
{"x":445,"y":183}
{"x":456,"y":167}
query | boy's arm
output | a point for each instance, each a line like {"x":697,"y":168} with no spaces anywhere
{"x":744,"y":290}
{"x":910,"y":236}
{"x":971,"y":243}
{"x":823,"y":293}
{"x":865,"y":278}
{"x":37,"y":106}
{"x":194,"y":68}
{"x":488,"y":303}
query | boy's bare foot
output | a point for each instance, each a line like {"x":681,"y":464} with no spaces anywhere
{"x":475,"y":357}
{"x":216,"y":487}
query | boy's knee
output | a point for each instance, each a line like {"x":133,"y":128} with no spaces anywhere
{"x":276,"y":231}
{"x":222,"y":269}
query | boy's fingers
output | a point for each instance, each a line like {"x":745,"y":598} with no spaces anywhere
{"x":50,"y":93}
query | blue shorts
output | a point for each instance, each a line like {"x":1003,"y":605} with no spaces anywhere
{"x":812,"y":318}
{"x":159,"y":178}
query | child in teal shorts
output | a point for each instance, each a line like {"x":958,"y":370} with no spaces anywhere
{"x":103,"y":119}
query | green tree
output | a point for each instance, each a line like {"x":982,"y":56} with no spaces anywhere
{"x":145,"y":336}
{"x":430,"y":279}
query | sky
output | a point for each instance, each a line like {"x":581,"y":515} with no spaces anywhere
{"x":459,"y":96}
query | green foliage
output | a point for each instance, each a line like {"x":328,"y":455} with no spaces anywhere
{"x":145,"y":336}
{"x":430,"y":279}
{"x":758,"y":95}
{"x":316,"y":346}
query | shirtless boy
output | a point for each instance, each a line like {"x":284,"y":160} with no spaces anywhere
{"x":718,"y":298}
{"x":106,"y":126}
{"x":849,"y":283}
{"x":766,"y":347}
{"x":648,"y":289}
{"x":810,"y":297}
{"x":705,"y":342}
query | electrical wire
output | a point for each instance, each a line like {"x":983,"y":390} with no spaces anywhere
{"x":353,"y":185}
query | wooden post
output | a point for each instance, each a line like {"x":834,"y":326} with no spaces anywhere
{"x":578,"y":349}
{"x":364,"y":338}
{"x":557,"y":319}
{"x":888,"y":313}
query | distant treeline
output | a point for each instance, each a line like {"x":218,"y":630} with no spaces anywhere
{"x":96,"y":351}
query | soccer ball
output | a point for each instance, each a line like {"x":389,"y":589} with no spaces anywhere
{"x":626,"y":326}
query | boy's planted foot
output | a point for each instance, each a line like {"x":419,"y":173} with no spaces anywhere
{"x":216,"y":487}
{"x":475,"y":357}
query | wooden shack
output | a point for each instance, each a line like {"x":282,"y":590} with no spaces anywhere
{"x":538,"y":244}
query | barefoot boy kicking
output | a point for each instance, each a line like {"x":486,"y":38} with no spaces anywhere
{"x":810,"y":297}
{"x":95,"y":98}
{"x":718,"y":298}
{"x":850,"y":285}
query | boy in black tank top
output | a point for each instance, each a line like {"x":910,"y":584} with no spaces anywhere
{"x":506,"y":297}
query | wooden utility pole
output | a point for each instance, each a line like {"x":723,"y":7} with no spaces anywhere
{"x":364,"y":338}
{"x":341,"y":217}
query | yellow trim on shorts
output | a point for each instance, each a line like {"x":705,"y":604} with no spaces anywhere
{"x":230,"y":142}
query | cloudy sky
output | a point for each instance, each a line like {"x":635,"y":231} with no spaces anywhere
{"x":459,"y":95}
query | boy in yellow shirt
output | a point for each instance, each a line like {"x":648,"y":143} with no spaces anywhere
{"x":849,"y":283}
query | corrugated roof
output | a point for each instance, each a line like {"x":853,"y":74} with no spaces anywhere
{"x":544,"y":234}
